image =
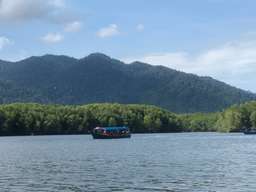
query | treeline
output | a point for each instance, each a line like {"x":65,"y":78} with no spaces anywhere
{"x":237,"y":118}
{"x":37,"y":119}
{"x":199,"y":122}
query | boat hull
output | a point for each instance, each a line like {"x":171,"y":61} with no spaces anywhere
{"x":97,"y":136}
{"x":250,"y":133}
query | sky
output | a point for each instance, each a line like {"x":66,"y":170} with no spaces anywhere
{"x":214,"y":38}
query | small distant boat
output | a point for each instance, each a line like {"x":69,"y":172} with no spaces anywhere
{"x":111,"y":132}
{"x":250,"y":131}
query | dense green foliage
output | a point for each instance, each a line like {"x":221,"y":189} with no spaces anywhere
{"x":237,"y":118}
{"x":98,"y":78}
{"x":38,"y":119}
{"x":199,"y":122}
{"x":26,"y":119}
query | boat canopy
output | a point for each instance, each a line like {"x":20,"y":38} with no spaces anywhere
{"x":112,"y":128}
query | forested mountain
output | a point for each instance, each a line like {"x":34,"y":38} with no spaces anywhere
{"x":99,"y":78}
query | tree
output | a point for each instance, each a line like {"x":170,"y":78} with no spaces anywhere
{"x":253,"y":119}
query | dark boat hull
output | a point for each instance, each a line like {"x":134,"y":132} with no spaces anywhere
{"x":250,"y":133}
{"x":97,"y":136}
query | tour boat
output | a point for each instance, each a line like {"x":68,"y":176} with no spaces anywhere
{"x":250,"y":131}
{"x":111,"y":132}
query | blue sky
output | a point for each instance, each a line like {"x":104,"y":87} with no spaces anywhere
{"x":207,"y":37}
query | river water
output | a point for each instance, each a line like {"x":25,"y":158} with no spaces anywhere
{"x":179,"y":162}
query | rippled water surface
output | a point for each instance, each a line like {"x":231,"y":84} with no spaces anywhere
{"x":181,"y":162}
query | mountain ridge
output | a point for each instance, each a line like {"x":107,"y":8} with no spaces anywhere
{"x":99,"y":78}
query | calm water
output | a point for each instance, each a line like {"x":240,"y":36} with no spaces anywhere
{"x":154,"y":162}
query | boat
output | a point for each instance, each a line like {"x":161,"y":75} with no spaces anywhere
{"x":111,"y":132}
{"x":250,"y":131}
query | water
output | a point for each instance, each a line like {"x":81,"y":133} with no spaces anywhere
{"x":183,"y":162}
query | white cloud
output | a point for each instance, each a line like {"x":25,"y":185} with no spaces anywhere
{"x":22,"y":10}
{"x":111,"y":30}
{"x":58,"y":3}
{"x":52,"y":38}
{"x":234,"y":63}
{"x":140,"y":27}
{"x":73,"y":26}
{"x":4,"y":41}
{"x":18,"y":55}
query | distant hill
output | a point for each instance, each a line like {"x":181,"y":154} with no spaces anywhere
{"x":98,"y":78}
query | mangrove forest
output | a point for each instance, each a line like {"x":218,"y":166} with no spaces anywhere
{"x":39,"y":119}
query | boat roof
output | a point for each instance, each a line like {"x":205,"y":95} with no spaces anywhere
{"x":112,"y":128}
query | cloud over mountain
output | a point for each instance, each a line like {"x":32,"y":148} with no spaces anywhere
{"x":231,"y":62}
{"x":4,"y":41}
{"x":109,"y":31}
{"x":52,"y":38}
{"x":74,"y":26}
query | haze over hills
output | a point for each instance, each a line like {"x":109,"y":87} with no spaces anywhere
{"x":99,"y":78}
